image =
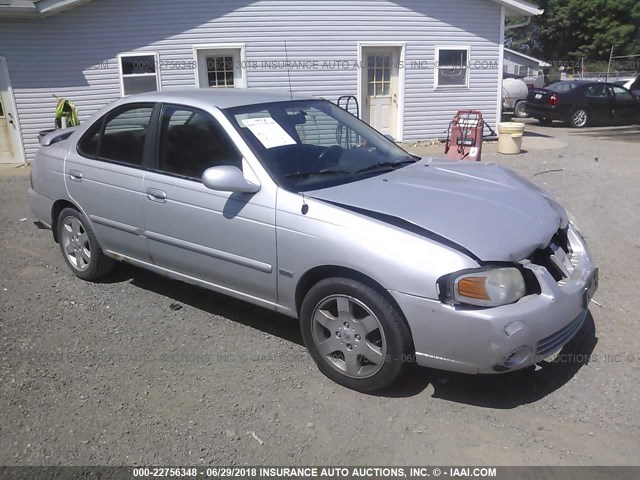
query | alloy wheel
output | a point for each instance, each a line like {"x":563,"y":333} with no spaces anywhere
{"x":349,"y":336}
{"x":75,"y":242}
{"x":579,"y":118}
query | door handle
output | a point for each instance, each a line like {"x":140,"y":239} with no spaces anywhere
{"x":10,"y":117}
{"x":75,"y":175}
{"x":156,"y":195}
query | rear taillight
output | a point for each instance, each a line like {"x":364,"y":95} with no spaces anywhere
{"x":554,"y":100}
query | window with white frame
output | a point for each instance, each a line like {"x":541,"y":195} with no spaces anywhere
{"x":524,"y":71}
{"x":452,"y":67}
{"x":220,"y":65}
{"x":221,"y":71}
{"x":139,"y":72}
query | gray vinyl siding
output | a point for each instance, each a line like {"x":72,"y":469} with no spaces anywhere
{"x":74,"y":54}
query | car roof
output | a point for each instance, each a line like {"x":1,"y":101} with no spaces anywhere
{"x":585,"y":83}
{"x":218,"y":97}
{"x":582,"y":82}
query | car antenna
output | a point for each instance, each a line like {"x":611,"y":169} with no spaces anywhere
{"x":286,"y":56}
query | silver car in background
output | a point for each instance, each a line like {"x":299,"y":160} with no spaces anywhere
{"x":295,"y":205}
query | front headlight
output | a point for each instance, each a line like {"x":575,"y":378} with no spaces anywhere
{"x":487,"y":287}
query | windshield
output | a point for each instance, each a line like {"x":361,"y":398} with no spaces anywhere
{"x":311,"y":144}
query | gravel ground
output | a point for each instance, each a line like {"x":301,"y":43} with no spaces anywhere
{"x":144,"y":370}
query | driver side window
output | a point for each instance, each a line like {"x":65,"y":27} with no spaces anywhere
{"x":621,"y":94}
{"x":192,"y":141}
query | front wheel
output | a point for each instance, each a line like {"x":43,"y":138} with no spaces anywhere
{"x":355,"y":336}
{"x":579,"y":118}
{"x":80,"y":247}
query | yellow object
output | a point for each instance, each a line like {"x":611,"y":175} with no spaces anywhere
{"x":473,"y":287}
{"x":510,"y":137}
{"x":66,"y":108}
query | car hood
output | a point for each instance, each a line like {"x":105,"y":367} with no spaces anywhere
{"x":487,"y":209}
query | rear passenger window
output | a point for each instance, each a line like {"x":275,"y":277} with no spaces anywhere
{"x":119,"y":137}
{"x":596,"y":91}
{"x":192,"y":141}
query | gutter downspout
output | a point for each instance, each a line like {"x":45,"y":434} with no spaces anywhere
{"x":518,"y":25}
{"x":500,"y":66}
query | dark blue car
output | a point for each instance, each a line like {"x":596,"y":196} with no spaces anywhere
{"x":584,"y":103}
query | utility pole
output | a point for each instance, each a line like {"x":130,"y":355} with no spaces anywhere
{"x":609,"y":66}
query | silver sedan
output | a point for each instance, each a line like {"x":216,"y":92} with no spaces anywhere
{"x":295,"y":205}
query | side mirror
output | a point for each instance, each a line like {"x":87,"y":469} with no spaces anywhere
{"x":226,"y":178}
{"x":390,"y":138}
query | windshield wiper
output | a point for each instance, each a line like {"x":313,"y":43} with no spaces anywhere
{"x":386,"y":165}
{"x":318,"y":172}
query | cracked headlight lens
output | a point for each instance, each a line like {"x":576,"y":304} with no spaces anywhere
{"x":489,"y":287}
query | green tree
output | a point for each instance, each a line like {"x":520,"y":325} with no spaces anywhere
{"x":572,"y":29}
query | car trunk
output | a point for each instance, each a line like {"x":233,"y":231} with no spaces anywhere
{"x":539,"y":96}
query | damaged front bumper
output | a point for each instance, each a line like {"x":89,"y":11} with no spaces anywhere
{"x":509,"y":337}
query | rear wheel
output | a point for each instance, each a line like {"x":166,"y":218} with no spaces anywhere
{"x":579,"y":118}
{"x":355,"y":336}
{"x":520,"y":109}
{"x":80,"y":247}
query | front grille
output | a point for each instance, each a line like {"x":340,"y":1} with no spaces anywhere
{"x":544,"y":259}
{"x":556,"y":258}
{"x":554,"y":342}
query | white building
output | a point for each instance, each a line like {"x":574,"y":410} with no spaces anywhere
{"x":411,"y":64}
{"x":523,"y":65}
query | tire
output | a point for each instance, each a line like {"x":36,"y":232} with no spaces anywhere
{"x":355,"y":336}
{"x":80,"y":248}
{"x":520,"y":109}
{"x":579,"y":118}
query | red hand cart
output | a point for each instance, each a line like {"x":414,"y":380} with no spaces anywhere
{"x":464,"y":137}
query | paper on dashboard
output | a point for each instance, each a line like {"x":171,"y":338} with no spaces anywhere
{"x":269,"y":132}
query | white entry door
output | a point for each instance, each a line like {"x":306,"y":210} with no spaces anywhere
{"x":10,"y":151}
{"x":380,"y":88}
{"x":219,"y":67}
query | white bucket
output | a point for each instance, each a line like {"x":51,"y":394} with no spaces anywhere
{"x":510,"y":137}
